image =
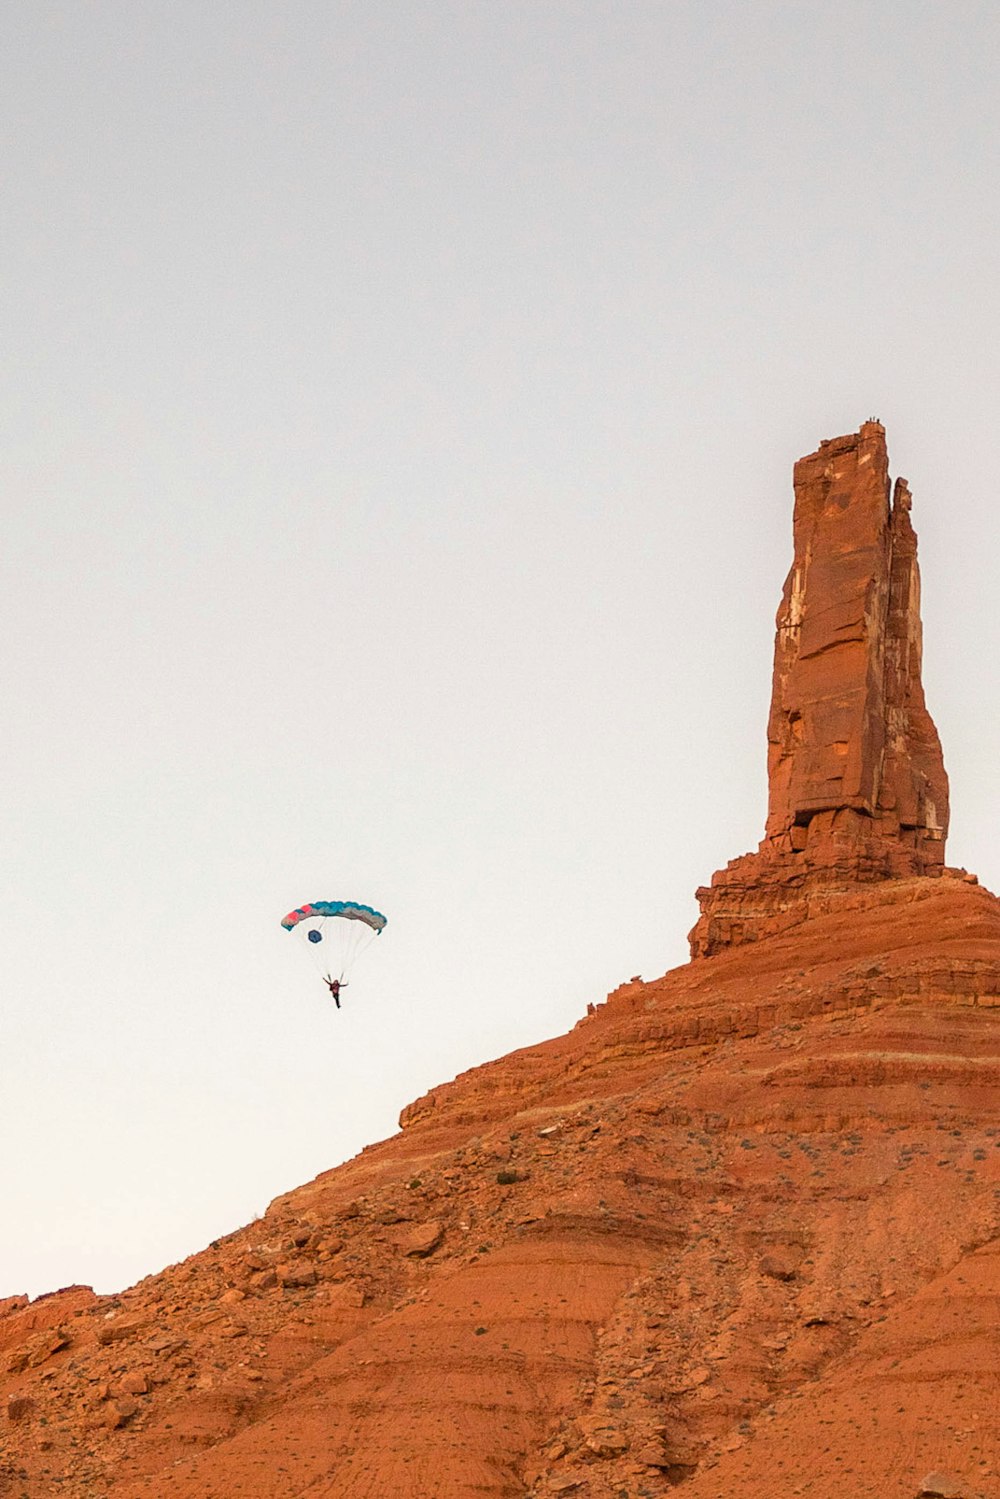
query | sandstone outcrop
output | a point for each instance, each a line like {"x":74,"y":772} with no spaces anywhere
{"x":856,"y":780}
{"x":737,"y":1232}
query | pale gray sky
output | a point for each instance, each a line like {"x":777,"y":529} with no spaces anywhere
{"x":399,"y":403}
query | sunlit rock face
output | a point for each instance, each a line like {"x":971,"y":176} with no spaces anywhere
{"x":857,"y":785}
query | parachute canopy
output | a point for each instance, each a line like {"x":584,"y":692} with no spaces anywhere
{"x":351,"y":910}
{"x":334,"y":933}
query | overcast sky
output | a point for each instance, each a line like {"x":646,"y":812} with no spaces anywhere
{"x":399,"y":405}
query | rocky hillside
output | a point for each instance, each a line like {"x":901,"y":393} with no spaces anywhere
{"x":738,"y":1231}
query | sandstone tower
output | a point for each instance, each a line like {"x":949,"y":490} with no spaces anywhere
{"x":857,"y":789}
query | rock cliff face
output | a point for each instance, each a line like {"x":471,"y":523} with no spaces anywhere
{"x":738,"y":1231}
{"x":857,"y":785}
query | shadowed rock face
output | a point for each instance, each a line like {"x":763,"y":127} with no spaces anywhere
{"x":857,"y":785}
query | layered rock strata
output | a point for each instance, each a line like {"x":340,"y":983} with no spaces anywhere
{"x":857,"y":785}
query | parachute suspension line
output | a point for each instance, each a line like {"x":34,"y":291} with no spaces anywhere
{"x":361,"y":937}
{"x":342,"y":945}
{"x":342,"y":955}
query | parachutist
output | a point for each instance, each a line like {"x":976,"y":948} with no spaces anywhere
{"x":335,"y":986}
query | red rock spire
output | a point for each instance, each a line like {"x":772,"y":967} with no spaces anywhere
{"x":857,"y":785}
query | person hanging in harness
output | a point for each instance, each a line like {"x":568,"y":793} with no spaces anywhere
{"x":335,"y":986}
